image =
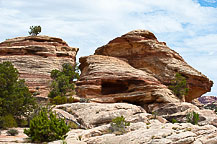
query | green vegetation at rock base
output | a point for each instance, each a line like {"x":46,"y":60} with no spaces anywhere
{"x":16,"y":102}
{"x":46,"y":127}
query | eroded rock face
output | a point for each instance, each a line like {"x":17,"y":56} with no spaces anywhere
{"x":109,"y":79}
{"x":143,"y":51}
{"x":35,"y":57}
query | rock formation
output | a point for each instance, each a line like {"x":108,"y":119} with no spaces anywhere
{"x":143,"y":51}
{"x":95,"y":119}
{"x":109,"y":79}
{"x":35,"y":57}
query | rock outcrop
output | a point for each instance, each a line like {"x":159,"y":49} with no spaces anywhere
{"x":109,"y":79}
{"x":179,"y":112}
{"x":35,"y":57}
{"x":144,"y":128}
{"x":143,"y":51}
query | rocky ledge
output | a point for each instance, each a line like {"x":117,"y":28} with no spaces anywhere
{"x":35,"y":57}
{"x":145,"y":128}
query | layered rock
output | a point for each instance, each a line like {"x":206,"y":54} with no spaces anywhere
{"x":143,"y":51}
{"x":109,"y":79}
{"x":35,"y":57}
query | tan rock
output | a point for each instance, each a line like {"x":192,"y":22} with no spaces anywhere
{"x":142,"y":50}
{"x":35,"y":57}
{"x":155,"y":133}
{"x":109,"y":79}
{"x":90,"y":115}
{"x":179,"y":112}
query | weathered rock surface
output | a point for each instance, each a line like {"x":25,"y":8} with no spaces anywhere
{"x":109,"y":79}
{"x":91,"y":115}
{"x":20,"y":138}
{"x":35,"y":57}
{"x":143,"y":51}
{"x":143,"y":128}
{"x":179,"y":111}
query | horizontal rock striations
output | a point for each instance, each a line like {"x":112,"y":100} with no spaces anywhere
{"x":142,"y":50}
{"x":109,"y":79}
{"x":35,"y":57}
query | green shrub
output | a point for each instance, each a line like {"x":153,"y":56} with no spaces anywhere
{"x":70,"y":99}
{"x":179,"y":86}
{"x":46,"y":127}
{"x":7,"y":121}
{"x":34,"y":30}
{"x":119,"y":125}
{"x":12,"y":132}
{"x":58,"y":100}
{"x":174,"y":121}
{"x":61,"y":100}
{"x":193,"y":117}
{"x":63,"y":82}
{"x":15,"y":98}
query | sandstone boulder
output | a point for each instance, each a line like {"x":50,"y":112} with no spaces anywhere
{"x":35,"y":57}
{"x":90,"y":115}
{"x":142,"y":50}
{"x":109,"y":79}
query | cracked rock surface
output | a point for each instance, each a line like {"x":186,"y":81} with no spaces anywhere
{"x":144,"y":127}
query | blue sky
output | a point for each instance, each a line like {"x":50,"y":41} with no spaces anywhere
{"x":187,"y":26}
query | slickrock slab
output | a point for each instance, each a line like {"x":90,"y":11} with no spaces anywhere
{"x":35,"y":57}
{"x":143,"y":128}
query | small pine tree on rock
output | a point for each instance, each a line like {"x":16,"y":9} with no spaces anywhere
{"x":34,"y":30}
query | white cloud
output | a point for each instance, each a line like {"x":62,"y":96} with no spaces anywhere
{"x":186,"y":26}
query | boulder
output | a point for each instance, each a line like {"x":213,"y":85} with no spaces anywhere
{"x":35,"y":57}
{"x":90,"y":115}
{"x":108,"y":79}
{"x":142,"y":50}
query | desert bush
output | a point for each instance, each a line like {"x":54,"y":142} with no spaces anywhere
{"x":193,"y":117}
{"x":7,"y":121}
{"x":61,"y":100}
{"x":46,"y":127}
{"x":174,"y":121}
{"x":34,"y":30}
{"x":119,"y":125}
{"x":179,"y":86}
{"x":12,"y":132}
{"x":15,"y":98}
{"x":63,"y":82}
